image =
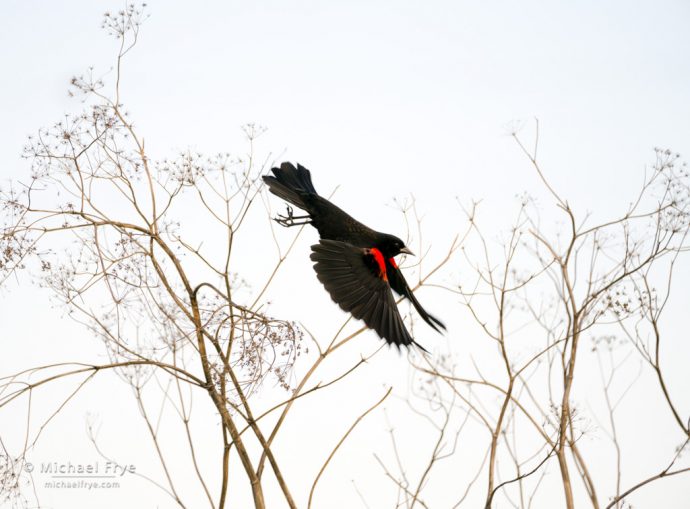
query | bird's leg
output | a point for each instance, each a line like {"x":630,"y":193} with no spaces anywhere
{"x":290,"y":219}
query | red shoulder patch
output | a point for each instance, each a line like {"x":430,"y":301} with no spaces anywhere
{"x":378,"y":257}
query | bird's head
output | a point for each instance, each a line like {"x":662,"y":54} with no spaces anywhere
{"x":393,"y":246}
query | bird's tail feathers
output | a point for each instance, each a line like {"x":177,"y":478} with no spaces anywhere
{"x":291,"y":184}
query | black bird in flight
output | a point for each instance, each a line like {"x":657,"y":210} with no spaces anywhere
{"x":354,"y":263}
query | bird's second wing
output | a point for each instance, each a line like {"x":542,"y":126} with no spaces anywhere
{"x":356,"y":280}
{"x":397,"y":282}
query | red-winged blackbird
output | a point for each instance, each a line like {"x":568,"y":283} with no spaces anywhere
{"x":354,"y":263}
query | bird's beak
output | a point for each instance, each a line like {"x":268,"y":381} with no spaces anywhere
{"x":406,"y":250}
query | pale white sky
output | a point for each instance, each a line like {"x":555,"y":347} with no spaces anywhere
{"x":382,"y":99}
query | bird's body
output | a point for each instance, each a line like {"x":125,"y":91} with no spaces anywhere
{"x":334,"y":223}
{"x":355,"y":263}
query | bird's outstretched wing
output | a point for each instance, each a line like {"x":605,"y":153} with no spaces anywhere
{"x":357,"y":281}
{"x":399,"y":285}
